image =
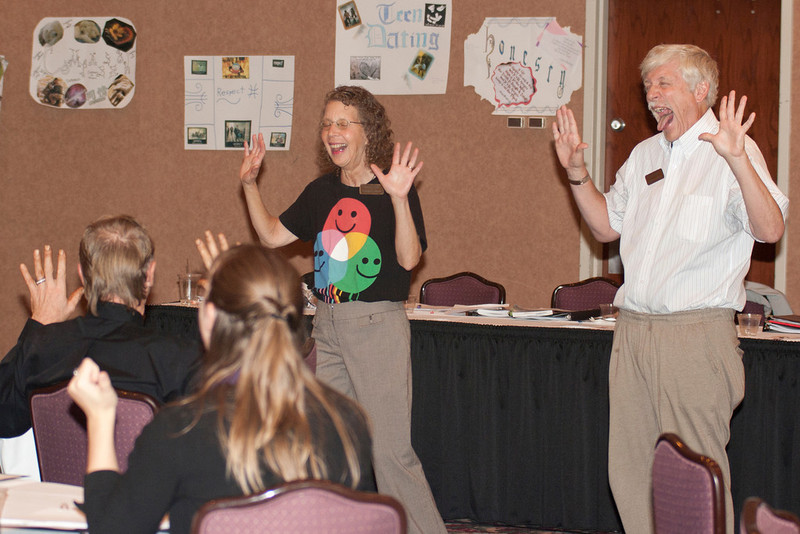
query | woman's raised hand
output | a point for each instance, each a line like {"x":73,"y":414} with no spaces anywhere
{"x":91,"y":389}
{"x":253,"y":157}
{"x":401,"y":176}
{"x":209,"y":249}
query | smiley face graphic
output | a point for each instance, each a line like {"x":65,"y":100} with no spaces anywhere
{"x":349,"y":215}
{"x":362,"y":269}
{"x":327,"y":269}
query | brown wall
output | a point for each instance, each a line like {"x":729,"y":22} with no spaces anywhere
{"x":494,"y":200}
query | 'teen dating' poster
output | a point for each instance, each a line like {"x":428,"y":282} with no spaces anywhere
{"x":394,"y":48}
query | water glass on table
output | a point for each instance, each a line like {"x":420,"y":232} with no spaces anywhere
{"x":608,"y":312}
{"x":749,"y":324}
{"x":189,"y":291}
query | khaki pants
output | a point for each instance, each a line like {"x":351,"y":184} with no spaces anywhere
{"x":364,"y":351}
{"x":679,"y":373}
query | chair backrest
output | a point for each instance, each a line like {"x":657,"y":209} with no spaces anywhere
{"x":759,"y":518}
{"x":584,"y":295}
{"x":303,"y":507}
{"x":464,"y":288}
{"x":59,"y":428}
{"x":687,"y":490}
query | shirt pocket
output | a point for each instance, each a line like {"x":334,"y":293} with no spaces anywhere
{"x":694,"y":218}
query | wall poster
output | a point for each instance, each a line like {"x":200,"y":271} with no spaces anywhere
{"x":228,"y":99}
{"x":393,"y":48}
{"x":83,"y":62}
{"x":523,"y":66}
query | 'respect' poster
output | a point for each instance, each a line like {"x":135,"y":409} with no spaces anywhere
{"x":228,"y":99}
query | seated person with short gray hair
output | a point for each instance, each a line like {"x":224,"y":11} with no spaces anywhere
{"x":116,"y":269}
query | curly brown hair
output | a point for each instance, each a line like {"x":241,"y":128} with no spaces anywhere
{"x":380,"y":143}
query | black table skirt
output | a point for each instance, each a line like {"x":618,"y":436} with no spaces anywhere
{"x":511,"y":423}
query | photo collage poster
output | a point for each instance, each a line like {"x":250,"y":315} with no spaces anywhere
{"x":524,"y":66}
{"x":393,"y":48}
{"x":228,"y":99}
{"x":83,"y":62}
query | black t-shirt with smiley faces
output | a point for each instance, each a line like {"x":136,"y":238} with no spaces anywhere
{"x":353,"y":234}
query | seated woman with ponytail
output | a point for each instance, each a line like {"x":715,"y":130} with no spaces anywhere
{"x":258,"y":417}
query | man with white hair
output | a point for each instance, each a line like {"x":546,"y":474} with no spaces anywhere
{"x":117,"y":269}
{"x":687,"y":206}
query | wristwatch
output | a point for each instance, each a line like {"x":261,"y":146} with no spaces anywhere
{"x":581,"y":181}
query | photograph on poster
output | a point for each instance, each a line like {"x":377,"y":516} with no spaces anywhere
{"x":75,"y":96}
{"x":421,"y":65}
{"x":87,"y":31}
{"x":277,"y":139}
{"x":119,"y":89}
{"x":236,"y":67}
{"x":119,"y":34}
{"x":199,"y":67}
{"x":365,"y":68}
{"x":51,"y":91}
{"x":51,"y":33}
{"x":349,"y":15}
{"x":236,"y":133}
{"x":197,"y":135}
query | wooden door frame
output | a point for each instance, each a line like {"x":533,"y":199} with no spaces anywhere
{"x":594,"y":121}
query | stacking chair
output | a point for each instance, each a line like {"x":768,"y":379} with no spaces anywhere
{"x":584,"y":295}
{"x":303,"y":507}
{"x":59,"y":428}
{"x":463,"y":288}
{"x":687,"y":490}
{"x":759,"y":518}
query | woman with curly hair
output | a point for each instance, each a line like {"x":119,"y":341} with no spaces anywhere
{"x":258,"y":417}
{"x":364,"y":218}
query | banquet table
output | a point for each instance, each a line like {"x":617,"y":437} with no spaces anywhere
{"x":510,"y":417}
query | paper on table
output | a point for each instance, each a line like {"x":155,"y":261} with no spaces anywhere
{"x":492,"y":313}
{"x":24,"y":503}
{"x":459,"y":309}
{"x":783,"y":329}
{"x":41,"y":504}
{"x":539,"y":314}
{"x":524,"y":314}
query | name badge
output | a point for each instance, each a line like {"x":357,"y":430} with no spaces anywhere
{"x":654,"y":176}
{"x":370,"y":189}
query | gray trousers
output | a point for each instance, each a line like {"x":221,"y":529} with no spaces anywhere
{"x":679,"y":373}
{"x":364,"y":351}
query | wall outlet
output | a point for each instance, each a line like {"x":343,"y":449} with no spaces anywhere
{"x":536,"y":122}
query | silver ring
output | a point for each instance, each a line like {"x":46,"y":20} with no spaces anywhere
{"x":41,"y":281}
{"x":75,"y":372}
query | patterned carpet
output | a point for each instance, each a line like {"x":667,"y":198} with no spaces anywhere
{"x":466,"y":525}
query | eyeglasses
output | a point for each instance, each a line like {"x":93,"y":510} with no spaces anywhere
{"x":342,"y":124}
